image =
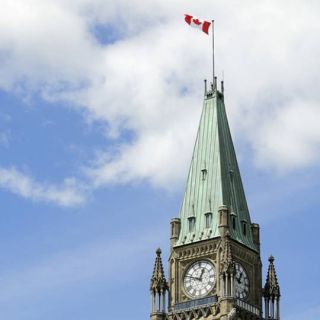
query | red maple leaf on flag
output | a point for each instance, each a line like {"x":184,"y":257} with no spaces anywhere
{"x":197,"y":21}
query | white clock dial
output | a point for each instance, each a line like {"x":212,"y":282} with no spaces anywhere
{"x":199,"y":279}
{"x":241,"y":282}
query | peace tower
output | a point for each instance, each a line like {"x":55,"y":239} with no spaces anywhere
{"x":215,"y":269}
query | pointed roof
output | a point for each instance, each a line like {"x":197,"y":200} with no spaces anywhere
{"x":214,"y":180}
{"x":271,"y":288}
{"x":158,"y":281}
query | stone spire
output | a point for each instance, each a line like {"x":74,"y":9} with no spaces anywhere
{"x":158,"y":280}
{"x":158,"y":290}
{"x":271,"y":293}
{"x":271,"y":288}
{"x":214,"y":181}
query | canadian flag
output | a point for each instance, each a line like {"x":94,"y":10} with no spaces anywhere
{"x":197,"y":23}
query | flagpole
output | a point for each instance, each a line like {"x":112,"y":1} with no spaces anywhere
{"x":213,"y":73}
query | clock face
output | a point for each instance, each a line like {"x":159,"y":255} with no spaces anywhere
{"x":242,"y":282}
{"x":199,"y":279}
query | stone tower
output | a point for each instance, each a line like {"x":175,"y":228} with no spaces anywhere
{"x":215,"y":270}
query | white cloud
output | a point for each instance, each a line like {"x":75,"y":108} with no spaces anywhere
{"x":150,"y":80}
{"x":66,"y":195}
{"x":291,"y":138}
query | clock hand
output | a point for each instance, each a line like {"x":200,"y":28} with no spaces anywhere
{"x":192,"y":277}
{"x":239,"y":278}
{"x":201,"y":275}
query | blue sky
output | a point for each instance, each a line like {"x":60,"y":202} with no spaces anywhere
{"x":99,"y":105}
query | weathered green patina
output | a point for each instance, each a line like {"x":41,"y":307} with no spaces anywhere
{"x":214,"y":180}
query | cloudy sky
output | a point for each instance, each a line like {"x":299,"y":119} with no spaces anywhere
{"x":99,"y":105}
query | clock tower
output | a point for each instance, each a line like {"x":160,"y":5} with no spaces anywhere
{"x":215,"y":269}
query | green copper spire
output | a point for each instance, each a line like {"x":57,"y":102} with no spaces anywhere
{"x":214,"y":180}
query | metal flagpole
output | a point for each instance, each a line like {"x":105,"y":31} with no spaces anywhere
{"x":213,"y":73}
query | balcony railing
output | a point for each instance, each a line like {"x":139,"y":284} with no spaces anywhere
{"x":195,"y":303}
{"x":248,"y":307}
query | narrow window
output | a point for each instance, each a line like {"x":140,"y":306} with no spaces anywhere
{"x":208,"y":220}
{"x":192,"y":221}
{"x":244,"y":228}
{"x":234,"y":223}
{"x":204,"y":174}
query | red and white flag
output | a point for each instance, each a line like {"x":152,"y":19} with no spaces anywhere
{"x":197,"y":23}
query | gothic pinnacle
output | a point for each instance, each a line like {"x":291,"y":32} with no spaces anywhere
{"x":158,"y":280}
{"x":271,"y":288}
{"x":227,"y":259}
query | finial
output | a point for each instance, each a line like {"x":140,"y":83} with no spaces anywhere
{"x":222,"y":86}
{"x":215,"y":82}
{"x":271,"y":259}
{"x":158,"y":252}
{"x":205,"y":87}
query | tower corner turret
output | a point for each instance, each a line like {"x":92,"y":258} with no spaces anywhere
{"x":223,"y":220}
{"x":175,"y":224}
{"x":255,"y":228}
